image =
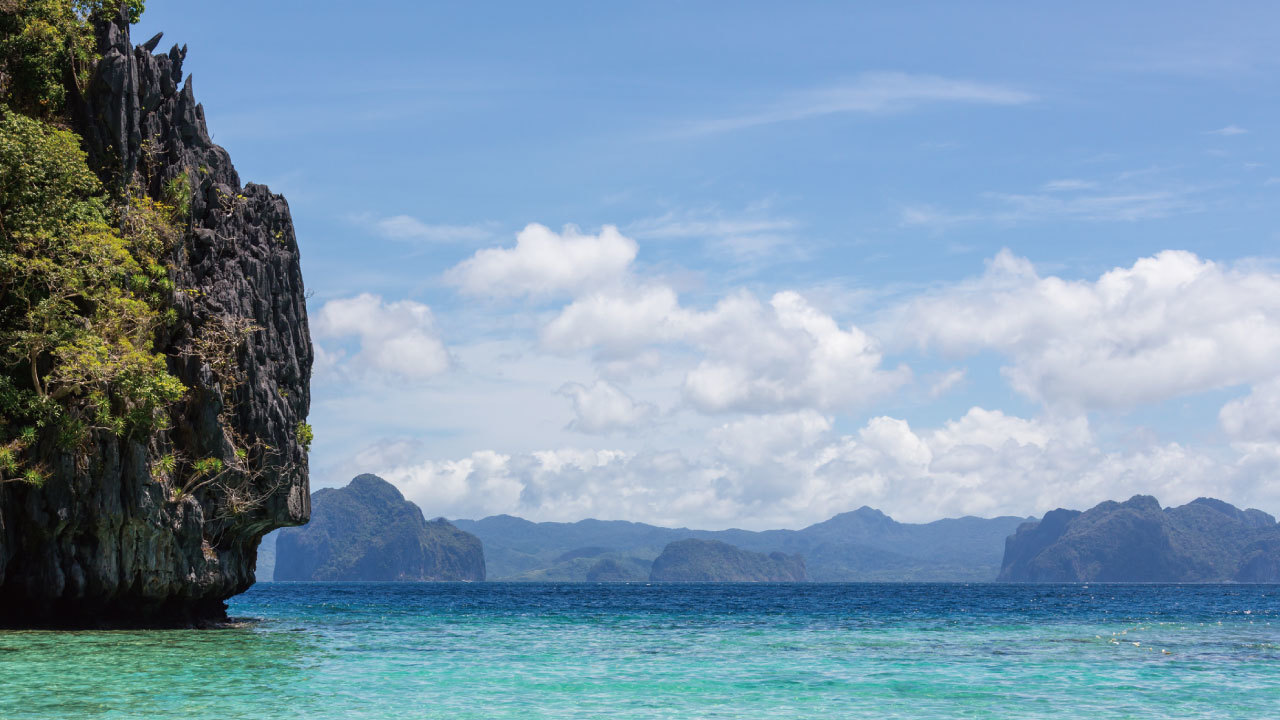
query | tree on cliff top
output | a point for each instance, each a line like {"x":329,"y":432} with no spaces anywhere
{"x":87,"y":291}
{"x":45,"y":43}
{"x":83,"y":289}
{"x":80,"y":299}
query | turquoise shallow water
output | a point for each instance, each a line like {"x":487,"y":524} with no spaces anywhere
{"x":494,"y":650}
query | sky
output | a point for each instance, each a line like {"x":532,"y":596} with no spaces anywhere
{"x":755,"y":264}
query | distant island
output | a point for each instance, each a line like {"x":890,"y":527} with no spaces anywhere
{"x":862,"y":545}
{"x":1205,"y":540}
{"x":714,"y":561}
{"x":368,"y":531}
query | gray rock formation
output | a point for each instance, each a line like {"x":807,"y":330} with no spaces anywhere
{"x":368,"y":531}
{"x":1206,"y":540}
{"x":101,"y":541}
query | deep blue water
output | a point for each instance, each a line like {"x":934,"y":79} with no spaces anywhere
{"x":497,"y":650}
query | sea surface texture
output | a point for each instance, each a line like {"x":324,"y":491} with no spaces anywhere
{"x":495,"y":650}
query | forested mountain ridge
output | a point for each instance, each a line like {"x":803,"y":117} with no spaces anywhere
{"x":864,"y":544}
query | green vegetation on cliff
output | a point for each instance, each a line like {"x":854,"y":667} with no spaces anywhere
{"x":154,"y":348}
{"x":83,"y":285}
{"x":86,"y":276}
{"x":46,"y":45}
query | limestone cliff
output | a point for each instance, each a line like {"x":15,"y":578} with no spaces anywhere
{"x":108,"y":538}
{"x":1206,"y":540}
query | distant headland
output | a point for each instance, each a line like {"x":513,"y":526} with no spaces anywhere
{"x":368,"y":531}
{"x":1206,"y":540}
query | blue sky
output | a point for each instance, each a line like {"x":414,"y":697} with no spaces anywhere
{"x":933,"y":258}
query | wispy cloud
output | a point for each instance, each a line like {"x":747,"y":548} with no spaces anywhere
{"x":751,"y":237}
{"x":1114,"y":200}
{"x":1097,"y":207}
{"x":670,"y":226}
{"x":879,"y":92}
{"x":942,"y":384}
{"x":1068,"y":184}
{"x":411,"y":229}
{"x":928,"y":216}
{"x":1227,"y":131}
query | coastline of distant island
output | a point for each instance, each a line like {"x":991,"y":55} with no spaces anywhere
{"x":368,"y":531}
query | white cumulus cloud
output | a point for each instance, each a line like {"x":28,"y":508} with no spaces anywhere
{"x":1169,"y":325}
{"x":759,"y":439}
{"x":603,"y":407}
{"x":752,"y":356}
{"x":397,"y":337}
{"x":792,"y":469}
{"x":1255,"y":417}
{"x":544,"y":262}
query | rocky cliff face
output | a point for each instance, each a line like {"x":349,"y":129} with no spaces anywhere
{"x":368,"y":531}
{"x":104,"y":540}
{"x":715,"y":561}
{"x":1205,"y":540}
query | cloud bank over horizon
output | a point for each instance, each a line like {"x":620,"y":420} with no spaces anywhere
{"x":765,"y":408}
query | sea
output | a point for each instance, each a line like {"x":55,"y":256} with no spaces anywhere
{"x":355,"y":651}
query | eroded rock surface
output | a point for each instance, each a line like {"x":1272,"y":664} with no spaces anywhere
{"x":103,"y":541}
